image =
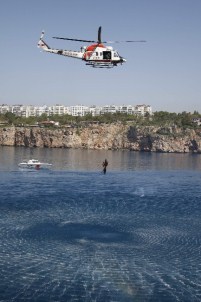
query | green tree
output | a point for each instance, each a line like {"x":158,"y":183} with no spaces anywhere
{"x":10,"y":117}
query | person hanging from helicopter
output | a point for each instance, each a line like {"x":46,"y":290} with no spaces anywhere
{"x":105,"y":164}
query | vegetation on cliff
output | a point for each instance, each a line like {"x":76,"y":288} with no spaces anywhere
{"x":160,"y":118}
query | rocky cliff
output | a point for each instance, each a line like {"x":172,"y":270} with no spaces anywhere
{"x":105,"y":136}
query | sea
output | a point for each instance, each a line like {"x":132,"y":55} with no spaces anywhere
{"x":73,"y":233}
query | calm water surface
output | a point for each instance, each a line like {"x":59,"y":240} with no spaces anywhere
{"x":74,"y":234}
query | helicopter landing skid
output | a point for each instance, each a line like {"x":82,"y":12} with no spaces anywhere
{"x":101,"y":64}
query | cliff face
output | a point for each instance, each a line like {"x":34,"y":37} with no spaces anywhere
{"x":106,"y":136}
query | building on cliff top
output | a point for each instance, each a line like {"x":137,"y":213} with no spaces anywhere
{"x":78,"y":110}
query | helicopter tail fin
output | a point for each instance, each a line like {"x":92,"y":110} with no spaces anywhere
{"x":41,"y":42}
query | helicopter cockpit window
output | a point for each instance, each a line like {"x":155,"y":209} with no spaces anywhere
{"x":116,"y":55}
{"x":107,"y":55}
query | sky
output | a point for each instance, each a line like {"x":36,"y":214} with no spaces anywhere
{"x":164,"y":72}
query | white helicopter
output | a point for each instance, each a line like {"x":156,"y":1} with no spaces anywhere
{"x":95,"y":55}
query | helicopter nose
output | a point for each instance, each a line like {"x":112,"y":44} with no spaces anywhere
{"x":122,"y":60}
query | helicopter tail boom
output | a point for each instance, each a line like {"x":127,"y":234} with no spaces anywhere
{"x":68,"y":53}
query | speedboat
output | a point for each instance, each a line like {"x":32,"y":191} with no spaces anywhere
{"x":34,"y":164}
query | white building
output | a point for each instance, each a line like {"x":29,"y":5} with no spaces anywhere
{"x":67,"y":110}
{"x":142,"y":109}
{"x":148,"y":109}
{"x":39,"y":110}
{"x":79,"y":110}
{"x":57,"y":109}
{"x":128,"y":109}
{"x":5,"y":108}
{"x":94,"y":110}
{"x":17,"y":110}
{"x":109,"y":109}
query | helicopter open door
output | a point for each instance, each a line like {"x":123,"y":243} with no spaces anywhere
{"x":107,"y":55}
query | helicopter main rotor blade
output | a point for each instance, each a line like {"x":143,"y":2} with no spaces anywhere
{"x":99,"y":35}
{"x":99,"y":41}
{"x":128,"y":41}
{"x":77,"y":40}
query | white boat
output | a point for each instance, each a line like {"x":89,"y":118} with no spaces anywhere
{"x":34,"y":164}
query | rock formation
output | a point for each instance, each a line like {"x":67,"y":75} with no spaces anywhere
{"x":106,"y":136}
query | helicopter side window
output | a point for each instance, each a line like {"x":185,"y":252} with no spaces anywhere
{"x":97,"y":54}
{"x":107,"y":55}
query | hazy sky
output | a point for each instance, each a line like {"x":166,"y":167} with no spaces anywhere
{"x":165,"y":72}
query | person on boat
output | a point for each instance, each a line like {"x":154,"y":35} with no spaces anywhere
{"x":105,"y":164}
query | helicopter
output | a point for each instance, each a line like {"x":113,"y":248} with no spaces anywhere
{"x":96,"y":55}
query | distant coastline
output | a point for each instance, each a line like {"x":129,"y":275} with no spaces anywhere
{"x":114,"y":136}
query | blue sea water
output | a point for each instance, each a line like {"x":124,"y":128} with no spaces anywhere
{"x":74,"y":234}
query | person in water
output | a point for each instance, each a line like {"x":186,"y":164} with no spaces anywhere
{"x":105,"y":164}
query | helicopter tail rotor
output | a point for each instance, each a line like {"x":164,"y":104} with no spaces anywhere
{"x":42,"y":35}
{"x":41,"y":42}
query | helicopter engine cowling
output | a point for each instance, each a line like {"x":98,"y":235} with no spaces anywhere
{"x":109,"y":48}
